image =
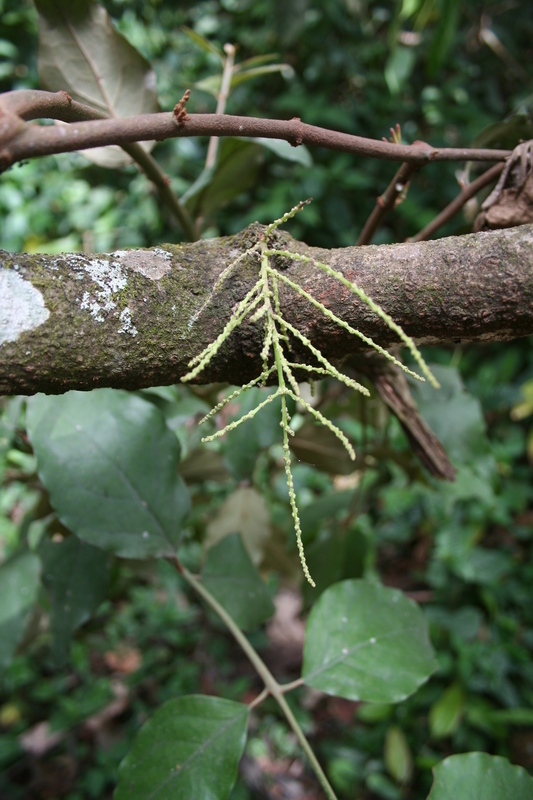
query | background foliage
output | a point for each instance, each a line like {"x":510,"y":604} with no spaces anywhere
{"x":462,"y":550}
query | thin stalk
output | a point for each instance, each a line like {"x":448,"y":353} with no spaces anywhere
{"x":274,"y":688}
{"x":225,"y":86}
{"x":153,"y":172}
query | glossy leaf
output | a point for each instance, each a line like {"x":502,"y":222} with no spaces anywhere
{"x":478,"y":776}
{"x":19,"y":584}
{"x":82,"y":53}
{"x":231,"y":577}
{"x":110,"y":464}
{"x":366,"y":642}
{"x":77,"y":578}
{"x":189,"y":750}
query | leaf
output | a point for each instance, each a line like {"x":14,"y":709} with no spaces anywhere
{"x":444,"y":34}
{"x":235,"y":172}
{"x":77,"y":578}
{"x":397,"y":755}
{"x":240,"y":76}
{"x":19,"y":584}
{"x":399,"y":67}
{"x":231,"y":577}
{"x":445,"y":715}
{"x":283,"y":149}
{"x":244,"y":512}
{"x":317,"y":445}
{"x":202,"y":42}
{"x":478,"y":776}
{"x":454,"y":415}
{"x":189,"y":750}
{"x":82,"y":53}
{"x":367,"y":642}
{"x":110,"y":466}
{"x":242,"y":446}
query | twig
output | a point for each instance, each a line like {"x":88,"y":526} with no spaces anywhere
{"x":274,"y":688}
{"x":387,"y":201}
{"x":35,"y":141}
{"x":33,"y":104}
{"x":225,"y":86}
{"x":452,"y":208}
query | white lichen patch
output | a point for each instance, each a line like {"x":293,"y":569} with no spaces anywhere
{"x":110,"y":279}
{"x":22,"y":306}
{"x":152,"y":264}
{"x":126,"y":323}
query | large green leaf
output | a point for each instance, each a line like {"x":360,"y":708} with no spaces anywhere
{"x":367,"y":642}
{"x":77,"y":578}
{"x":189,"y":750}
{"x":110,"y":463}
{"x":82,"y":53}
{"x":478,"y":776}
{"x":231,"y":577}
{"x":19,"y":584}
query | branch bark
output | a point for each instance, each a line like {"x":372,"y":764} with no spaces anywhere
{"x":20,"y":141}
{"x":129,"y":319}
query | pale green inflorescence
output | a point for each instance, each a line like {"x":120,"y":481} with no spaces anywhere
{"x":262,"y":303}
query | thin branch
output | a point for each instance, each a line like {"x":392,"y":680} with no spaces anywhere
{"x":225,"y":86}
{"x":387,"y":201}
{"x":34,"y":104}
{"x":452,"y":208}
{"x":266,"y":676}
{"x":34,"y":142}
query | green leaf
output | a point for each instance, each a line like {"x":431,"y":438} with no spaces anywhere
{"x":283,"y":149}
{"x":367,"y":642}
{"x":244,"y":511}
{"x":240,"y":76}
{"x":189,"y":750}
{"x":444,"y":34}
{"x":110,"y":463}
{"x":478,"y":776}
{"x":454,"y":415}
{"x":202,"y":42}
{"x":235,"y":172}
{"x":445,"y":715}
{"x":19,"y":584}
{"x":242,"y":446}
{"x":399,"y":67}
{"x":397,"y":755}
{"x":231,"y":577}
{"x":82,"y":53}
{"x":77,"y":578}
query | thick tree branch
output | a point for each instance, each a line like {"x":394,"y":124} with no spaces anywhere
{"x":129,"y":319}
{"x":19,"y":141}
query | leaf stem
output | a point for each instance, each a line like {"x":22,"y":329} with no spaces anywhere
{"x":274,"y":688}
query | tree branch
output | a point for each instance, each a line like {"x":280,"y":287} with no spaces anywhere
{"x":19,"y":142}
{"x":132,"y":318}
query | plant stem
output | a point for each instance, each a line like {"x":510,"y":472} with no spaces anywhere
{"x":274,"y":688}
{"x":223,"y":95}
